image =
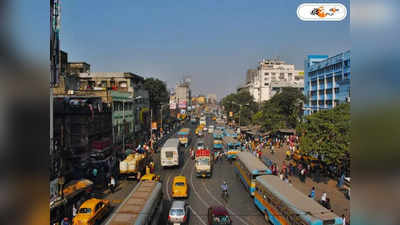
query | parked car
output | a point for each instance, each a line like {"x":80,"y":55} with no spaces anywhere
{"x":179,"y":187}
{"x":179,"y":213}
{"x":92,"y":211}
{"x":218,"y":215}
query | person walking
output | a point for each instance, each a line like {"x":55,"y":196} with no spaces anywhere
{"x":344,"y":219}
{"x":112,"y":184}
{"x":74,"y":210}
{"x":323,"y":199}
{"x":312,"y":193}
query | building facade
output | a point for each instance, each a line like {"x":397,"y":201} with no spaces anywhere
{"x":327,"y":81}
{"x":270,"y":77}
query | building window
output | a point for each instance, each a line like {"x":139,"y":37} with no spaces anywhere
{"x":266,"y":74}
{"x":266,"y":84}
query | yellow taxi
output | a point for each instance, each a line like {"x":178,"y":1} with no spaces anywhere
{"x":92,"y":211}
{"x":179,"y":187}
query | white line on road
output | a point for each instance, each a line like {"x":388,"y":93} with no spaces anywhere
{"x":169,"y":197}
{"x":194,"y":189}
{"x":230,"y":210}
{"x":197,"y":215}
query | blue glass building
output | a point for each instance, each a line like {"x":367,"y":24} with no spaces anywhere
{"x":326,"y":81}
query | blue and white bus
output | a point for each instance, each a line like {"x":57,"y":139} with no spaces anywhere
{"x":283,"y":204}
{"x":248,"y":167}
{"x":232,"y":147}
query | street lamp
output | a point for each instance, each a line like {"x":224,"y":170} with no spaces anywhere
{"x":161,"y":109}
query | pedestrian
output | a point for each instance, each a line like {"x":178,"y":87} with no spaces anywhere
{"x":74,"y":210}
{"x":290,"y":182}
{"x":312,"y":193}
{"x":302,"y":175}
{"x":323,"y":199}
{"x":112,"y":184}
{"x":344,"y":219}
{"x":341,"y":181}
{"x":281,"y":175}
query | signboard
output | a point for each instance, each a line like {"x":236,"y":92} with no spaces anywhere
{"x":182,"y":104}
{"x":154,"y":125}
{"x":172,"y":105}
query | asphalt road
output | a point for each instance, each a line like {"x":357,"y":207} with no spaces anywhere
{"x":203,"y":192}
{"x":206,"y":192}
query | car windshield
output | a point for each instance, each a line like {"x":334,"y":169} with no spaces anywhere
{"x":177,"y":212}
{"x":219,"y":220}
{"x":181,"y":184}
{"x":200,"y":144}
{"x":85,"y":210}
{"x":202,"y":162}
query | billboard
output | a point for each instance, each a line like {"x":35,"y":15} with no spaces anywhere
{"x":182,"y":104}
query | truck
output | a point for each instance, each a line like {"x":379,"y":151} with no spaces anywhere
{"x":134,"y":165}
{"x":143,"y":206}
{"x":169,"y":155}
{"x":203,"y":163}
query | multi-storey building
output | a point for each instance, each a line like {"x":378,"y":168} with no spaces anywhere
{"x":327,"y":81}
{"x":270,"y":77}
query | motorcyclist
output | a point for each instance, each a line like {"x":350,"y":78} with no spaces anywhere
{"x":224,"y":187}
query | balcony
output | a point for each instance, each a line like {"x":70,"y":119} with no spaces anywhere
{"x":329,"y":96}
{"x":314,"y":97}
{"x":329,"y":85}
{"x":321,"y":87}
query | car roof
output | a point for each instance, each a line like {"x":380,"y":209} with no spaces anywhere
{"x":180,"y":178}
{"x":178,"y":204}
{"x":90,"y":203}
{"x":219,"y":211}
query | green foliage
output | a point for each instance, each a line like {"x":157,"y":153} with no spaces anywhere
{"x":283,"y":110}
{"x":248,"y":107}
{"x":158,"y":93}
{"x":327,"y":133}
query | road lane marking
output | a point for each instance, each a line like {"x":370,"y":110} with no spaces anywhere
{"x":197,"y":215}
{"x":194,"y":189}
{"x":169,"y":197}
{"x":230,"y":210}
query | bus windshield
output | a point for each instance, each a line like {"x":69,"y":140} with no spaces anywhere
{"x":202,"y":162}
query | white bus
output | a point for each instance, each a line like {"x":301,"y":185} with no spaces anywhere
{"x":169,"y":155}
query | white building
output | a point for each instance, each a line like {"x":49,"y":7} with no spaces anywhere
{"x":270,"y":77}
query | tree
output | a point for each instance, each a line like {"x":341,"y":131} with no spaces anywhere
{"x":327,"y":134}
{"x":241,"y":104}
{"x":158,"y":93}
{"x":283,"y":110}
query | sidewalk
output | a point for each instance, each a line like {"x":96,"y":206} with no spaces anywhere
{"x":339,"y":203}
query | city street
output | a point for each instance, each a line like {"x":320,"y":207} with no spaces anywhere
{"x":203,"y":192}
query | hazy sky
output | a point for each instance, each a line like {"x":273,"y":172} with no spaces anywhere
{"x":213,"y":41}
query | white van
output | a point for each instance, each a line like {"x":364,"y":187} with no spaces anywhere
{"x":169,"y":155}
